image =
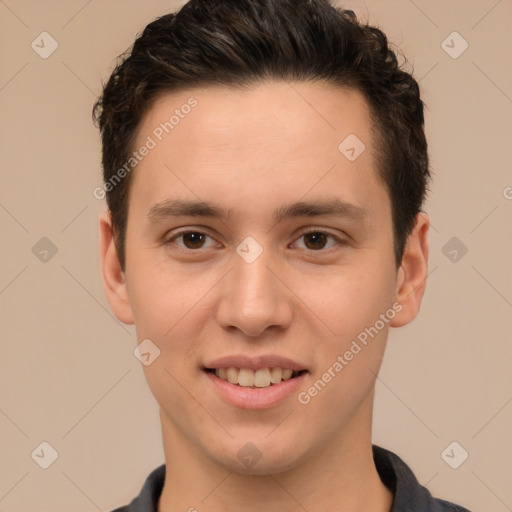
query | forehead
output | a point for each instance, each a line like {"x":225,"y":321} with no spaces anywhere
{"x":225,"y":114}
{"x":269,"y":138}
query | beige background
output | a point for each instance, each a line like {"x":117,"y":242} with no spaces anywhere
{"x":68,"y":373}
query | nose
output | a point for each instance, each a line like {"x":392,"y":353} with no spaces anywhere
{"x":254,"y":299}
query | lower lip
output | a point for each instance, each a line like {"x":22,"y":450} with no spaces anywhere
{"x":255,"y":398}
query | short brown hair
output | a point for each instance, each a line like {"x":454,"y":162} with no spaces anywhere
{"x":241,"y":42}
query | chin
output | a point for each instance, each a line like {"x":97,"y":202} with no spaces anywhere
{"x":260,"y":456}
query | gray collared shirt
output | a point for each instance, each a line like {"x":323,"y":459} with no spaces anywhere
{"x":409,"y":495}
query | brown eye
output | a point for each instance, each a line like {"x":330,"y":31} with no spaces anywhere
{"x":315,"y":240}
{"x":318,"y":241}
{"x":193,"y":239}
{"x":189,"y":240}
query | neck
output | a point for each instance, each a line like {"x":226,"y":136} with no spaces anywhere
{"x":340,"y":476}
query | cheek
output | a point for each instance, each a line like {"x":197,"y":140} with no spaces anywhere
{"x":348,"y":361}
{"x":161,"y":296}
{"x":168,"y":309}
{"x":349,"y":300}
{"x":172,"y":308}
{"x":357,"y":305}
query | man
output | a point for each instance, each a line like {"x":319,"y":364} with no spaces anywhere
{"x":265,"y":165}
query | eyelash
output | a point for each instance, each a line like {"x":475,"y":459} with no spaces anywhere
{"x":171,"y":240}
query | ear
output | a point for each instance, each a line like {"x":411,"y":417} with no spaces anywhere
{"x":113,"y":276}
{"x":412,"y":274}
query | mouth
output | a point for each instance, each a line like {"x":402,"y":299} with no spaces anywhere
{"x":255,"y":382}
{"x":260,"y":378}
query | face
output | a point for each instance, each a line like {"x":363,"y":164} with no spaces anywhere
{"x":256,"y":242}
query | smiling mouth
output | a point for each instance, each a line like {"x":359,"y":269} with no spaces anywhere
{"x":248,"y":378}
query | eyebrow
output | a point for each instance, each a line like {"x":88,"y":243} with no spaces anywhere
{"x":188,"y":208}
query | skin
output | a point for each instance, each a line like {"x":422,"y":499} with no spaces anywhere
{"x":252,"y":151}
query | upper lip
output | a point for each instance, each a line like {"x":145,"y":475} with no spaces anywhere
{"x":255,"y":363}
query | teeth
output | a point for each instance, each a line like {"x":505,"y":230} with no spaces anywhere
{"x":246,"y":377}
{"x":287,"y":374}
{"x":276,"y":374}
{"x":232,"y":375}
{"x":261,"y":378}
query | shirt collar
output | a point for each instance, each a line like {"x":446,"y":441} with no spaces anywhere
{"x":393,"y":471}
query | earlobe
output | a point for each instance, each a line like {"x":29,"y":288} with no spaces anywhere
{"x":412,"y":274}
{"x":113,"y":275}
